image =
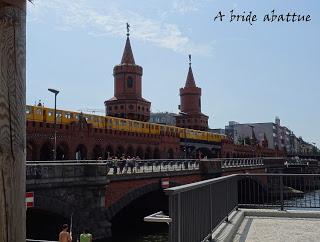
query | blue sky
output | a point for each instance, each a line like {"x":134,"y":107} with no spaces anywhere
{"x":247,"y":73}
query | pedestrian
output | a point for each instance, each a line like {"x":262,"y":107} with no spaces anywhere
{"x":86,"y":236}
{"x":122,"y":163}
{"x":115,"y":165}
{"x":64,"y":235}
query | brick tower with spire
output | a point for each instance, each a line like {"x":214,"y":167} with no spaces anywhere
{"x":128,"y":101}
{"x":190,"y":115}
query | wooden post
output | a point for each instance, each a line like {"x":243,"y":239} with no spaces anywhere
{"x":12,"y":120}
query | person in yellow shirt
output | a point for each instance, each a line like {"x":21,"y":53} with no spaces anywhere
{"x":64,"y":235}
{"x":86,"y":236}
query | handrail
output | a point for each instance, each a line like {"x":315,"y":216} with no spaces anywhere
{"x":188,"y":187}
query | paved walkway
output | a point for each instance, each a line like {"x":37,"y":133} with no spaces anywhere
{"x":264,"y":229}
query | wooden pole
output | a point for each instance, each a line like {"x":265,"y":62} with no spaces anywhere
{"x":12,"y":120}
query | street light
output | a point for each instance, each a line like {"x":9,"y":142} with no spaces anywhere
{"x":55,"y":122}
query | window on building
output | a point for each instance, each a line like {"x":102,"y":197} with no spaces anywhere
{"x":129,"y":82}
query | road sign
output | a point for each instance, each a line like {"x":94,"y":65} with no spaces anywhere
{"x":29,"y":199}
{"x":165,"y":183}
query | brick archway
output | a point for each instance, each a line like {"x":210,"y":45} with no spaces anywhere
{"x":109,"y":152}
{"x":130,"y":151}
{"x":32,"y":153}
{"x":140,"y":153}
{"x":156,"y":153}
{"x":46,"y":151}
{"x":129,"y":197}
{"x":96,"y":152}
{"x":63,"y":151}
{"x":120,"y":151}
{"x":148,"y":153}
{"x":81,"y":152}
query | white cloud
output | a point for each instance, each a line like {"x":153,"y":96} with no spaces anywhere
{"x":109,"y":21}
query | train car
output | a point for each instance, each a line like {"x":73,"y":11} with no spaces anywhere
{"x":43,"y":114}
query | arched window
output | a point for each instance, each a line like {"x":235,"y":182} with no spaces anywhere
{"x":129,"y":82}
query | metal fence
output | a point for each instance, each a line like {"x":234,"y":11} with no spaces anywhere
{"x":279,"y":190}
{"x":197,"y":209}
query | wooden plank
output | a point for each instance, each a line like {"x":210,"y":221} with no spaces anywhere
{"x":18,"y":3}
{"x":12,"y":121}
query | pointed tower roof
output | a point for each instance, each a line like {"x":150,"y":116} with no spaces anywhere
{"x":190,"y":79}
{"x":127,"y":57}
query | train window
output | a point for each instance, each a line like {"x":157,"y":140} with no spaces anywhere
{"x":67,"y":115}
{"x":38,"y":111}
{"x":58,"y":115}
{"x":142,"y":125}
{"x":77,"y":116}
{"x":28,"y":110}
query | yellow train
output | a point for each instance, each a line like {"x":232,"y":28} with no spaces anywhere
{"x":44,"y":114}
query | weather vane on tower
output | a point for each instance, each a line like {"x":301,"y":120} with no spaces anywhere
{"x":189,"y":60}
{"x":128,"y":29}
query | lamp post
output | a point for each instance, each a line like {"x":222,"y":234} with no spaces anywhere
{"x":55,"y":122}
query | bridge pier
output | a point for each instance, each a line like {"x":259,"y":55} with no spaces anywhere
{"x":76,"y":191}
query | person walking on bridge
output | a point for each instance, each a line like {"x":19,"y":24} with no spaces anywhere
{"x":86,"y":236}
{"x":64,"y":235}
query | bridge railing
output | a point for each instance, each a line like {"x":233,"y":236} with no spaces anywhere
{"x":152,"y":166}
{"x":82,"y":168}
{"x":197,"y":209}
{"x":232,"y":163}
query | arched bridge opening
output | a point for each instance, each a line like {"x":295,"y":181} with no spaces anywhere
{"x":129,"y":220}
{"x":43,"y":224}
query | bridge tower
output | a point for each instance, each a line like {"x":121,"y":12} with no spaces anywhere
{"x":190,"y":115}
{"x":128,"y":101}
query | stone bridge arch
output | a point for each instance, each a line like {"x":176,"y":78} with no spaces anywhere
{"x":129,"y":197}
{"x":63,"y":151}
{"x":53,"y":205}
{"x":46,"y":151}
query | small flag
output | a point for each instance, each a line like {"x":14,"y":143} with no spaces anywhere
{"x":165,"y":183}
{"x":29,"y":199}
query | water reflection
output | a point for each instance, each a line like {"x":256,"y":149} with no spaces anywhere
{"x":309,"y":201}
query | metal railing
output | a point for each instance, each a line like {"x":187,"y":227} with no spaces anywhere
{"x":279,"y":190}
{"x":197,"y":209}
{"x":231,"y":163}
{"x":40,"y":169}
